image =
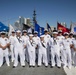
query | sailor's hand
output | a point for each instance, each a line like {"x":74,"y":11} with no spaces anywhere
{"x":4,"y":47}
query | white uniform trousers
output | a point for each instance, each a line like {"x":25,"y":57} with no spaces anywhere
{"x":31,"y":52}
{"x":67,"y":57}
{"x":61,"y":54}
{"x":74,"y":58}
{"x":24,"y":52}
{"x":48,"y":54}
{"x":27,"y":55}
{"x":12,"y":52}
{"x":42,"y":54}
{"x":4,"y":53}
{"x":72,"y":55}
{"x":19,"y":52}
{"x":55,"y":52}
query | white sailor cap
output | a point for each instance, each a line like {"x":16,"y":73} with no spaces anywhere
{"x":30,"y":34}
{"x":25,"y":31}
{"x":71,"y":33}
{"x":35,"y":32}
{"x":45,"y":30}
{"x":42,"y":35}
{"x":3,"y":32}
{"x":13,"y":31}
{"x":66,"y":33}
{"x":55,"y":32}
{"x":59,"y":31}
{"x":18,"y":31}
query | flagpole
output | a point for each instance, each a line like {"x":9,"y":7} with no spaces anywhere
{"x":70,"y":25}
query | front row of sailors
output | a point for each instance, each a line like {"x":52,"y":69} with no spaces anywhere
{"x":32,"y":48}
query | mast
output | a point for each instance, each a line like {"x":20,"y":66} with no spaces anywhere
{"x":34,"y":17}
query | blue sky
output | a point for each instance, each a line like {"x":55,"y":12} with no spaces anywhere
{"x":49,"y":11}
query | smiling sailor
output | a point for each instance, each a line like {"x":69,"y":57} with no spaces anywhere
{"x":4,"y":43}
{"x":18,"y":49}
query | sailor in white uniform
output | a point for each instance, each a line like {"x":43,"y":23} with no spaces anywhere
{"x":36,"y":39}
{"x":42,"y":54}
{"x":4,"y":43}
{"x":47,"y":38}
{"x":72,"y":50}
{"x":11,"y":45}
{"x":25,"y":39}
{"x":55,"y":50}
{"x":31,"y":45}
{"x":66,"y":51}
{"x":60,"y":37}
{"x":74,"y":53}
{"x":18,"y":49}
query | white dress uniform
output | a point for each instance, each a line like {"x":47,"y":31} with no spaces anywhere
{"x":31,"y":51}
{"x":74,"y":54}
{"x":36,"y":40}
{"x":72,"y":50}
{"x":11,"y":40}
{"x":25,"y":39}
{"x":5,"y":52}
{"x":47,"y":39}
{"x":55,"y":51}
{"x":42,"y":53}
{"x":18,"y":50}
{"x":61,"y":47}
{"x":66,"y":53}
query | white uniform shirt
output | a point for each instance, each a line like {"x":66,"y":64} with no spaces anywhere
{"x":11,"y":39}
{"x":55,"y":44}
{"x":74,"y":43}
{"x":18,"y":43}
{"x":60,"y":38}
{"x":66,"y":44}
{"x":71,"y":39}
{"x":47,"y":39}
{"x":25,"y":39}
{"x":41,"y":43}
{"x":36,"y":39}
{"x":4,"y":41}
{"x":31,"y":45}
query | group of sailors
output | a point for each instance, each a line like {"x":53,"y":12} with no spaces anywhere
{"x":58,"y":50}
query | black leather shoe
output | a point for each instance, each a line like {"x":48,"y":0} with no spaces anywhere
{"x":30,"y":66}
{"x":51,"y":66}
{"x":46,"y":66}
{"x":38,"y":66}
{"x":23,"y":66}
{"x":59,"y":67}
{"x":33,"y":66}
{"x":14,"y":66}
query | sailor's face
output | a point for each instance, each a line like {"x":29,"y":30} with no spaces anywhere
{"x":54,"y":35}
{"x":66,"y":36}
{"x":18,"y":33}
{"x":35,"y":35}
{"x":13,"y":33}
{"x":24,"y":33}
{"x":60,"y":34}
{"x":30,"y":37}
{"x":2,"y":35}
{"x":46,"y":32}
{"x":70,"y":36}
{"x":42,"y":38}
